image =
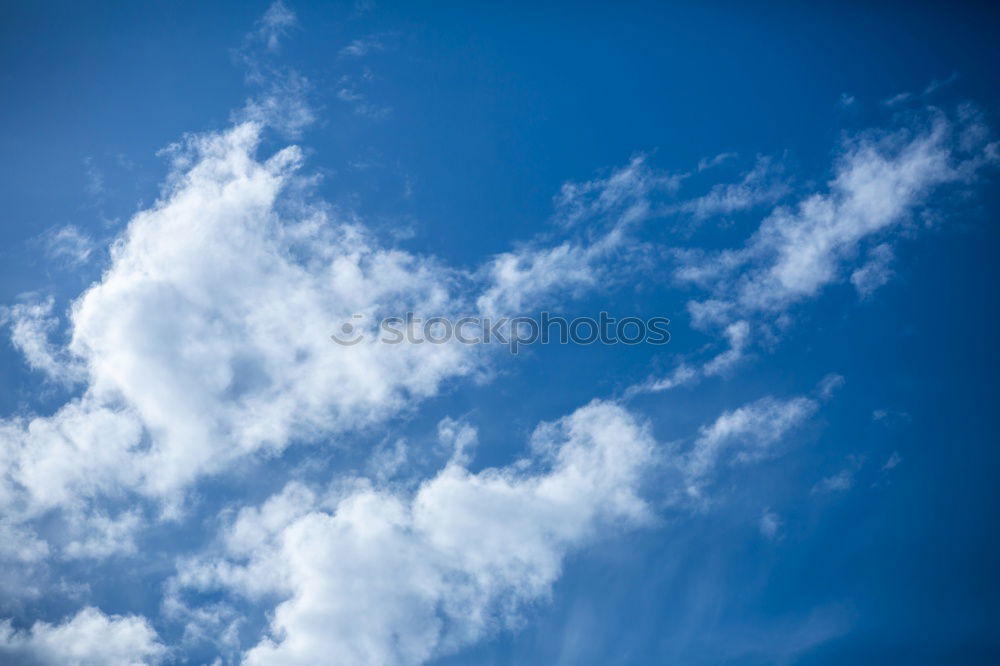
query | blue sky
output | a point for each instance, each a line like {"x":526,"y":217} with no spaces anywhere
{"x":196,"y":195}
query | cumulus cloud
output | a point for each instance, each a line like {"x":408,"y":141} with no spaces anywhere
{"x":206,"y":342}
{"x":90,"y":638}
{"x":20,"y":545}
{"x":368,"y":573}
{"x":104,"y":535}
{"x":84,"y":449}
{"x":373,"y":576}
{"x":207,"y":338}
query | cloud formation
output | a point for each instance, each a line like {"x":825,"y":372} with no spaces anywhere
{"x":90,"y":638}
{"x":613,"y":207}
{"x":207,"y":338}
{"x":760,"y":185}
{"x":205,"y":345}
{"x":376,"y":576}
{"x":880,"y":182}
{"x":749,"y":431}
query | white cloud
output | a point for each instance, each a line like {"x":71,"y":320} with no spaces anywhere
{"x":681,"y":375}
{"x":712,"y":162}
{"x":931,"y":88}
{"x":388,"y":460}
{"x":69,"y":244}
{"x":360,"y":103}
{"x":523,"y":278}
{"x":18,"y":544}
{"x":206,"y":342}
{"x":372,"y":576}
{"x":875,"y":272}
{"x":275,"y":24}
{"x":893,"y":461}
{"x":738,"y":336}
{"x":751,"y":431}
{"x":897,"y":99}
{"x":937,"y":84}
{"x":769,"y":524}
{"x":362,"y":47}
{"x":84,"y":449}
{"x":889,"y":417}
{"x":830,"y":384}
{"x":879,"y":181}
{"x":90,"y":638}
{"x":31,"y":325}
{"x":103,"y":535}
{"x":624,"y":196}
{"x":282,"y":103}
{"x":281,"y":100}
{"x":761,"y":185}
{"x":207,"y":338}
{"x":459,"y":439}
{"x":95,"y":179}
{"x":842,"y":480}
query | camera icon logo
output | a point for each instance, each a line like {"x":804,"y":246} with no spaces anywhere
{"x":348,"y":334}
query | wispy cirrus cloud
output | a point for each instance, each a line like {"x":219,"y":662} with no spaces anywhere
{"x":880,"y":181}
{"x":749,"y":431}
{"x":763,"y":184}
{"x":363,"y":46}
{"x":69,"y":244}
{"x":275,"y":24}
{"x":613,"y":207}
